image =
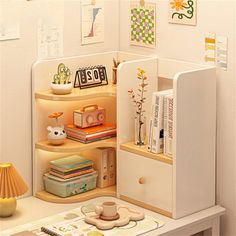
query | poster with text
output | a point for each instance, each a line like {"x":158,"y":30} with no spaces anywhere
{"x":183,"y":12}
{"x":92,"y":21}
{"x":143,"y":24}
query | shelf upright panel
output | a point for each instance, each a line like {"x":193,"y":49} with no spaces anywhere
{"x":194,"y":140}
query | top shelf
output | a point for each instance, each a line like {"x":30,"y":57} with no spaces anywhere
{"x":79,"y":94}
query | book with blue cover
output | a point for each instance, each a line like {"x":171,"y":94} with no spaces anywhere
{"x":70,"y":163}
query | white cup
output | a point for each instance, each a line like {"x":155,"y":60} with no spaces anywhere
{"x":107,"y":209}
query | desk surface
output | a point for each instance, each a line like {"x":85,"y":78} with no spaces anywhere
{"x":31,"y":209}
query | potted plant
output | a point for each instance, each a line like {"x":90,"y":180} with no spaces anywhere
{"x":61,"y":81}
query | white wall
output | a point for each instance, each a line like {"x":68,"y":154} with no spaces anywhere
{"x":187,"y":43}
{"x":17,"y":57}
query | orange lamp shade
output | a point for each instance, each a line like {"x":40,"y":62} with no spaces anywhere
{"x":11,"y":183}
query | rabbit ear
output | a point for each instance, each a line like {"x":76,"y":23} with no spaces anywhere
{"x":49,"y":128}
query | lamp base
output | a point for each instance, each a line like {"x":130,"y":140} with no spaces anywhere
{"x":7,"y":206}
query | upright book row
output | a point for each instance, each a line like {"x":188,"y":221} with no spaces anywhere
{"x":161,"y":123}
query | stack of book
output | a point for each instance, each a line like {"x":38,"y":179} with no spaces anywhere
{"x":91,"y":134}
{"x":71,"y":166}
{"x":161,"y":123}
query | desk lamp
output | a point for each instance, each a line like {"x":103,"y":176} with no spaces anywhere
{"x":11,"y":186}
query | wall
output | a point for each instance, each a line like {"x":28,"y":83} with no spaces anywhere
{"x":187,"y":43}
{"x":17,"y":57}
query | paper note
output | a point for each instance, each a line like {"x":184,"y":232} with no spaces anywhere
{"x":92,"y":23}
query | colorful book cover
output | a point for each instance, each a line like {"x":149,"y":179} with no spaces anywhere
{"x":91,"y":140}
{"x":70,"y":162}
{"x":91,"y":130}
{"x":71,"y":175}
{"x":91,"y":137}
{"x":71,"y":169}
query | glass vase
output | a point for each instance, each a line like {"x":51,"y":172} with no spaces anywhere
{"x":140,"y":131}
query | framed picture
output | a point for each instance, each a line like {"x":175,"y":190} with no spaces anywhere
{"x":90,"y":77}
{"x":143,"y":24}
{"x":183,"y":12}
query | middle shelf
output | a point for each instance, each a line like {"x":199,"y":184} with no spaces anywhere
{"x":73,"y":146}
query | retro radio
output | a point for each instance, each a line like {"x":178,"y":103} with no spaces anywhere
{"x":88,"y":116}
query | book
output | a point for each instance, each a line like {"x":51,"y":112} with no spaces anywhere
{"x":90,"y":130}
{"x":157,"y":121}
{"x":92,"y":136}
{"x":91,"y":140}
{"x":67,"y":176}
{"x":70,"y":162}
{"x":71,"y":169}
{"x":65,"y":228}
{"x":168,"y":125}
{"x":53,"y":177}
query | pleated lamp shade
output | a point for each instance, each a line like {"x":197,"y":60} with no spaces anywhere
{"x":11,"y":183}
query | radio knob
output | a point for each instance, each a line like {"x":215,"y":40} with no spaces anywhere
{"x":89,"y":119}
{"x":100,"y":116}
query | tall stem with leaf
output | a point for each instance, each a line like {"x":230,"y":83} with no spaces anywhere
{"x":138,"y":100}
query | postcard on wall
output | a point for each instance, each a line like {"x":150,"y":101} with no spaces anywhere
{"x":92,"y":21}
{"x":183,"y":12}
{"x":143,"y":24}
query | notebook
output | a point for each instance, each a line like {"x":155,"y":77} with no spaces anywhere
{"x":69,"y":227}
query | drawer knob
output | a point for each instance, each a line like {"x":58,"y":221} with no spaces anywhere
{"x":141,"y":180}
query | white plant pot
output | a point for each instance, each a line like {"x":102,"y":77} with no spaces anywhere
{"x":61,"y":88}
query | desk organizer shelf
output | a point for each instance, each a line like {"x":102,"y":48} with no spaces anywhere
{"x":185,"y":183}
{"x":45,"y":102}
{"x":175,"y":186}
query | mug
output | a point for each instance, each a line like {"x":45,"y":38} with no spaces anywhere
{"x":107,"y":209}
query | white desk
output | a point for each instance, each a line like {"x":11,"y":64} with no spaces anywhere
{"x":31,"y":209}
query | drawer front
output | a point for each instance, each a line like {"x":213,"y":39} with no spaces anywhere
{"x":145,"y":180}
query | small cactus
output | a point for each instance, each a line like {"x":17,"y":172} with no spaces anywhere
{"x":63,"y":75}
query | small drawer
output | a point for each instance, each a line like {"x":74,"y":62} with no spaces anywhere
{"x":145,"y":180}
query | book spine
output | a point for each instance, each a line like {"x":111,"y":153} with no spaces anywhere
{"x":168,"y":126}
{"x":112,"y":166}
{"x":157,"y":124}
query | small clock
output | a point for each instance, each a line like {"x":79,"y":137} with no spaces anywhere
{"x":90,"y":77}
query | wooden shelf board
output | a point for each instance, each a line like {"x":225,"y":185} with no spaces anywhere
{"x":98,"y":192}
{"x":79,"y":94}
{"x":73,"y":146}
{"x":143,"y":151}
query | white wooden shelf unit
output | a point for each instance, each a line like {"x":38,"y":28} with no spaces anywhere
{"x":175,"y":186}
{"x":45,"y":102}
{"x":186,"y":183}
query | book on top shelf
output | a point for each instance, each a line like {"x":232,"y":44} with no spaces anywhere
{"x":156,"y":131}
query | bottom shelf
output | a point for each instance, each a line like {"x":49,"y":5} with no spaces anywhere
{"x":98,"y":192}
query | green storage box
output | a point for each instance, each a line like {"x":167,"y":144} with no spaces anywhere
{"x":70,"y":187}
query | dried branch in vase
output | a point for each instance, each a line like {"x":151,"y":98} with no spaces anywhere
{"x":138,"y":99}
